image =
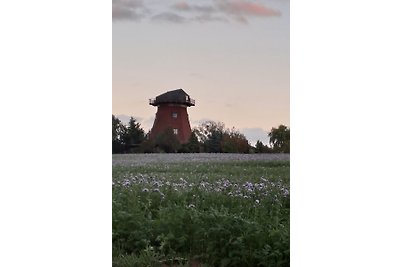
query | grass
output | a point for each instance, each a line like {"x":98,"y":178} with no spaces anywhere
{"x":211,"y":213}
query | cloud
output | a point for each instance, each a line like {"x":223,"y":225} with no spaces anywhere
{"x":255,"y":134}
{"x":209,"y":18}
{"x":145,"y":123}
{"x":128,"y":3}
{"x":240,"y":11}
{"x":125,"y":118}
{"x":119,"y":13}
{"x":169,"y":17}
{"x":224,"y":11}
{"x":128,"y":10}
{"x":246,"y":8}
{"x":199,"y":13}
{"x":183,"y":6}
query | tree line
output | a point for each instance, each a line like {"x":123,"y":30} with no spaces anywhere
{"x":208,"y":137}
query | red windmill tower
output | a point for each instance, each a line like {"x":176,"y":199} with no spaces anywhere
{"x":172,"y":114}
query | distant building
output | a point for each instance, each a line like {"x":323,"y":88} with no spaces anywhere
{"x":172,"y":114}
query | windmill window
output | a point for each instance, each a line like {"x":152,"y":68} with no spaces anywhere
{"x":174,"y":115}
{"x":176,"y":131}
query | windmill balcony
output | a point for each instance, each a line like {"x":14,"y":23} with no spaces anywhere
{"x":190,"y":101}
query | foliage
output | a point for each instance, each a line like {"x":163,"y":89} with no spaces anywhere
{"x":209,"y":137}
{"x":234,"y":142}
{"x":134,"y":135}
{"x":118,"y":135}
{"x":147,"y":257}
{"x":147,"y":146}
{"x":193,"y":146}
{"x":126,"y":138}
{"x":259,"y":147}
{"x":209,"y":134}
{"x":219,"y":214}
{"x":280,"y":139}
{"x":167,"y":142}
{"x":215,"y":138}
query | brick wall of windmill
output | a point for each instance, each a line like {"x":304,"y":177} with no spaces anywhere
{"x":165,"y":119}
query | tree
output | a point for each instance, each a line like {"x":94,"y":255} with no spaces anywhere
{"x":148,"y":145}
{"x":280,"y":139}
{"x":234,"y":142}
{"x":134,"y":135}
{"x":210,"y":134}
{"x":214,"y":142}
{"x":118,"y":134}
{"x":259,"y":147}
{"x":126,"y":138}
{"x":192,"y":146}
{"x":215,"y":138}
{"x":167,"y":142}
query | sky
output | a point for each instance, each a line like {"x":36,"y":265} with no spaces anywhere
{"x":232,"y":57}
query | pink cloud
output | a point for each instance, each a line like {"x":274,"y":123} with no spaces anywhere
{"x":224,"y":10}
{"x":181,"y":6}
{"x":247,"y":8}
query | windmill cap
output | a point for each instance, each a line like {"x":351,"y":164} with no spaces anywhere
{"x":178,"y":96}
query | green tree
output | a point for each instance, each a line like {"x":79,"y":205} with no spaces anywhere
{"x":210,"y":135}
{"x":167,"y":142}
{"x":134,"y":135}
{"x":148,"y":145}
{"x":234,"y":142}
{"x":259,"y":147}
{"x":214,"y":142}
{"x":279,"y":139}
{"x":192,"y":146}
{"x":118,"y":135}
{"x":215,"y":138}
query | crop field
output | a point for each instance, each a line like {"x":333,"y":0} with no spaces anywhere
{"x":200,"y":210}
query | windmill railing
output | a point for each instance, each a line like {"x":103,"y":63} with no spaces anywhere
{"x":153,"y":101}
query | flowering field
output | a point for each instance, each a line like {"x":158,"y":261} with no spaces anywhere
{"x":146,"y":159}
{"x":209,"y":210}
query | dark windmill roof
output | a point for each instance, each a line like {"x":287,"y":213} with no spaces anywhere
{"x":173,"y":97}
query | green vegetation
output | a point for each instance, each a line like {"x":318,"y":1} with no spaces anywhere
{"x":209,"y":213}
{"x":126,"y":138}
{"x":279,"y":138}
{"x":215,"y":138}
{"x":209,"y":137}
